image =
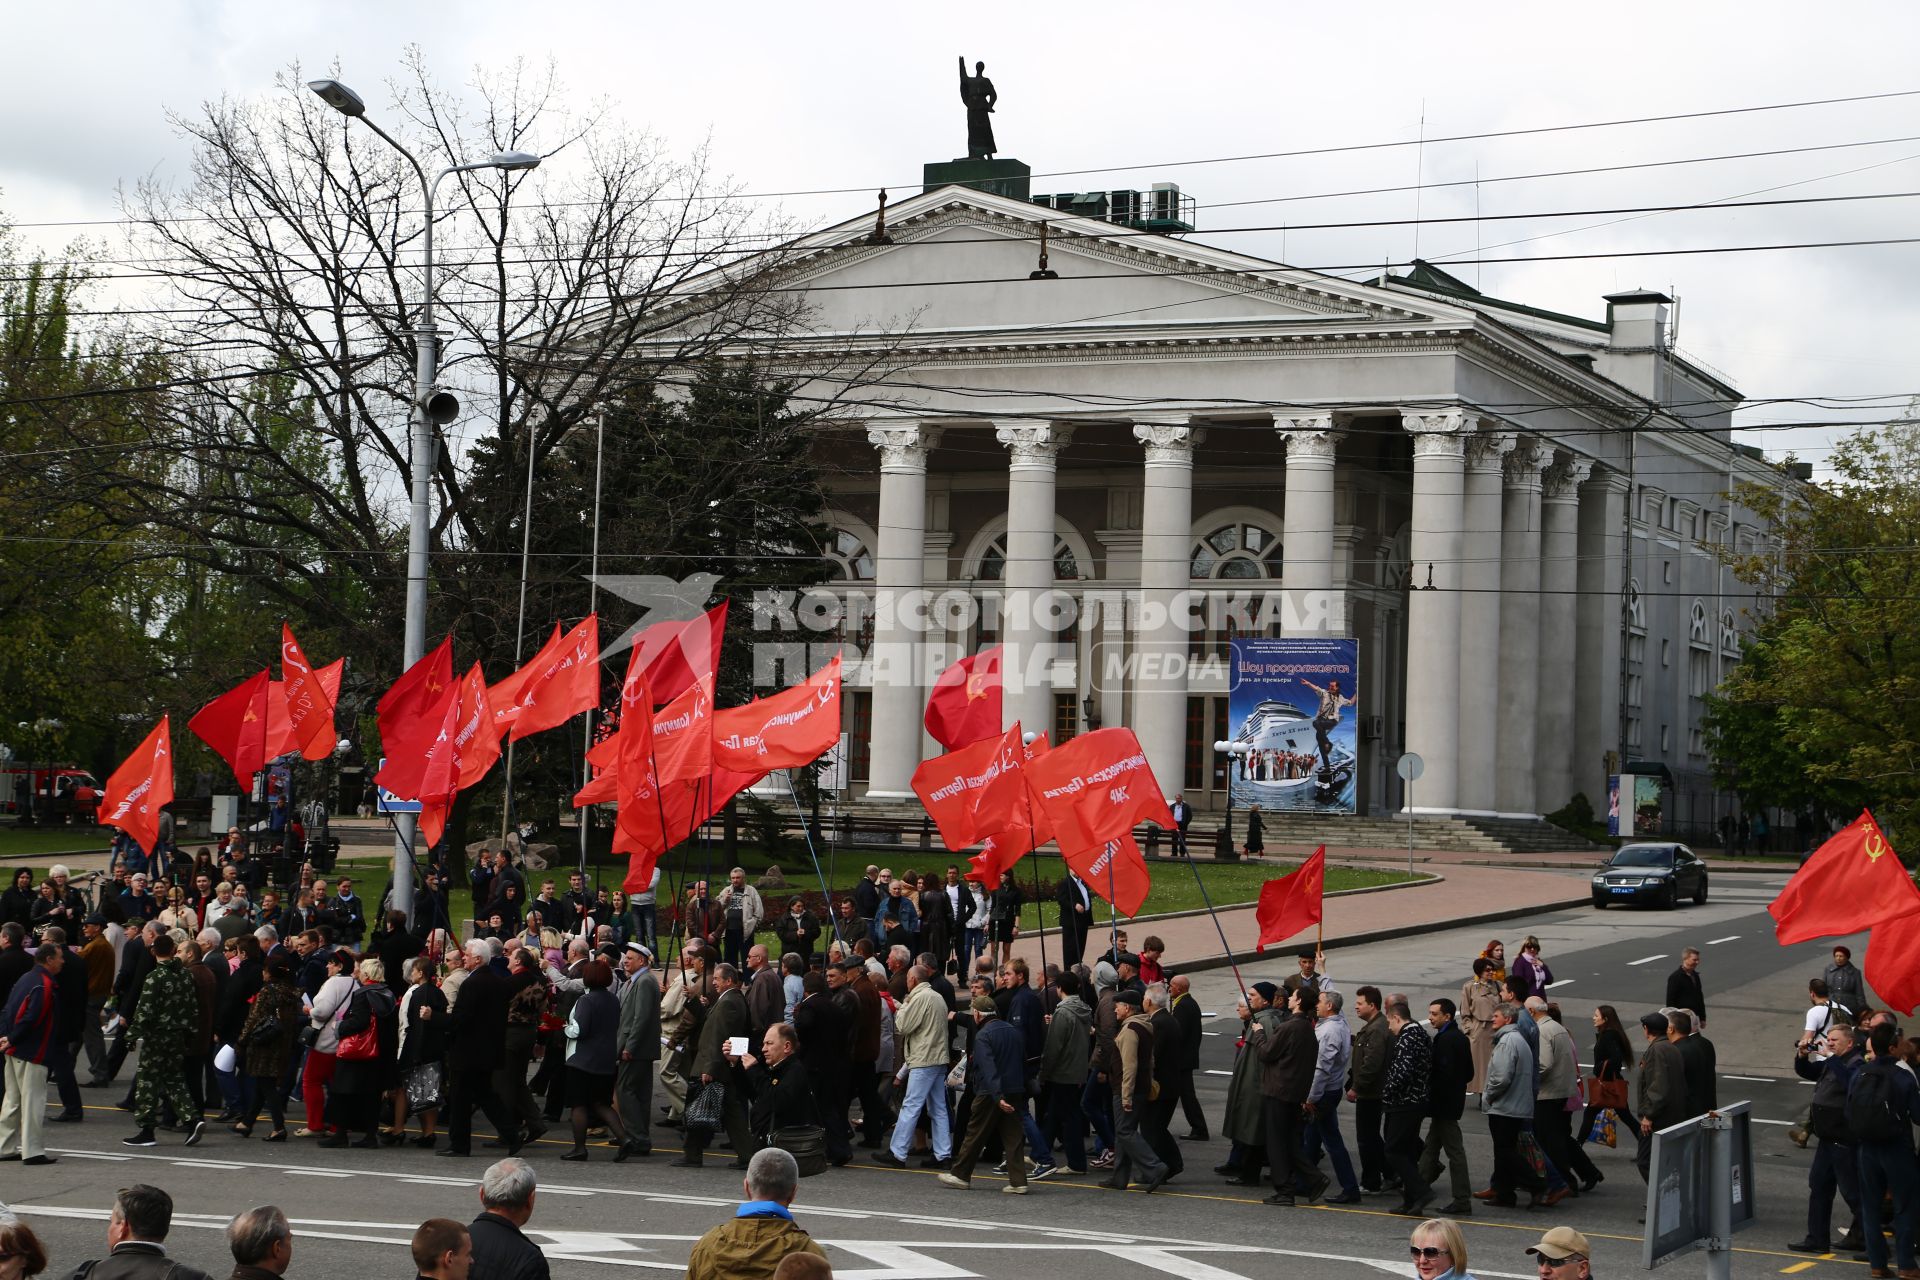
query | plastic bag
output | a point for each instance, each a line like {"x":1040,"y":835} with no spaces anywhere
{"x":1604,"y":1130}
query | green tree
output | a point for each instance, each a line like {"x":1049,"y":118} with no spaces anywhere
{"x":1824,"y":710}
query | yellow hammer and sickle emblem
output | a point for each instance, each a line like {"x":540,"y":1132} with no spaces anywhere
{"x":976,"y":686}
{"x":1876,"y":845}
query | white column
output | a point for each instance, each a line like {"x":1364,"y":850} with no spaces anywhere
{"x":1518,"y":686}
{"x":1480,"y":618}
{"x":1027,"y":667}
{"x":1433,"y":616}
{"x":1559,"y":580}
{"x":1307,"y":525}
{"x":1166,"y":554}
{"x":899,"y":578}
{"x":1596,"y":710}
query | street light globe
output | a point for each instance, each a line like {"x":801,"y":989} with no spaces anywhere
{"x":511,"y":160}
{"x":339,"y":97}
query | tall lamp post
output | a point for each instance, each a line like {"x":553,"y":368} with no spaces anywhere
{"x":1223,"y":847}
{"x":431,"y":409}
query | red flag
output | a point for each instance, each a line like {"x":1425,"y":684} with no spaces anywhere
{"x":466,"y":748}
{"x":140,"y":788}
{"x":779,"y":732}
{"x":505,"y":696}
{"x":309,"y":706}
{"x":280,"y":739}
{"x":1001,"y":799}
{"x":1116,"y":871}
{"x":683,"y":735}
{"x":565,"y":685}
{"x":1292,"y":902}
{"x":603,"y":759}
{"x":999,"y":852}
{"x":235,"y":726}
{"x":674,"y":655}
{"x":1852,"y":882}
{"x":641,"y":818}
{"x":1109,"y":765}
{"x":1893,"y":962}
{"x":965,"y":703}
{"x":948,"y":784}
{"x":410,"y":715}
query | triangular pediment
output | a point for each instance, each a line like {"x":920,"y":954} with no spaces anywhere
{"x":960,"y":262}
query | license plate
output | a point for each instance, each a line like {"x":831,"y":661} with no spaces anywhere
{"x":1624,"y":888}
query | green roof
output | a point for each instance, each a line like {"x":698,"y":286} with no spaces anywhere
{"x":1432,"y":279}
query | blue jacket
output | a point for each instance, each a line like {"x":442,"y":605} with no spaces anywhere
{"x":30,"y":1016}
{"x":1028,"y":1016}
{"x":998,"y":1068}
{"x":889,"y":907}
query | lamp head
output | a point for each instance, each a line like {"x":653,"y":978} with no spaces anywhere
{"x":511,"y":160}
{"x":339,"y":97}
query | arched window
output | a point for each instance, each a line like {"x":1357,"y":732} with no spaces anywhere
{"x":852,"y":561}
{"x":1636,"y":608}
{"x":1697,"y":626}
{"x":993,"y":561}
{"x":1239,"y":551}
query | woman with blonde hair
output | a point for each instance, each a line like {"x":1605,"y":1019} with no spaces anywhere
{"x":1439,"y":1250}
{"x":177,"y":914}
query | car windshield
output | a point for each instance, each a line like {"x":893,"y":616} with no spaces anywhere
{"x":1644,"y":855}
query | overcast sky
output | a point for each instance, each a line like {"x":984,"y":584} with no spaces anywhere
{"x":802,"y":97}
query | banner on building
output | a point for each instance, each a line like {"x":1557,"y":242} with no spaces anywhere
{"x":1292,"y":716}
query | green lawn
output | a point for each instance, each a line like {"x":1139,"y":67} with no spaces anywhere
{"x":28,"y":841}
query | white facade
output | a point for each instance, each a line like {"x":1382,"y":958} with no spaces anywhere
{"x":1514,"y":512}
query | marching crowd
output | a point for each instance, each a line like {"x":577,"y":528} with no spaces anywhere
{"x":896,"y":1023}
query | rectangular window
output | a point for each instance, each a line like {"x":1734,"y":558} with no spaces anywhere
{"x":1219,"y":735}
{"x":860,"y":737}
{"x":1697,"y":672}
{"x":1666,"y":653}
{"x":1633,"y":690}
{"x":1696,"y":742}
{"x":1633,"y":731}
{"x":1666,"y":738}
{"x":1066,"y":717}
{"x":1198,"y":748}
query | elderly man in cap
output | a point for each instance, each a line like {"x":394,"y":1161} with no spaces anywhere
{"x":996,"y":1076}
{"x":1133,"y":1095}
{"x":638,"y":1040}
{"x":1563,"y":1254}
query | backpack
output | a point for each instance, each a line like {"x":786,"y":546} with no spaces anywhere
{"x":1872,"y":1113}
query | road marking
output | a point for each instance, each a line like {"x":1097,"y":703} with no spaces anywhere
{"x":1756,"y":1079}
{"x":318,"y":1173}
{"x":1560,"y":983}
{"x":1799,"y":1267}
{"x":1215,"y":1072}
{"x":1757,"y":1120}
{"x":1209,"y":1033}
{"x":1714,"y":942}
{"x":1648,"y":960}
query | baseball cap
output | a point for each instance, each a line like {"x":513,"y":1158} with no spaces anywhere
{"x":984,"y":1004}
{"x":1560,"y":1244}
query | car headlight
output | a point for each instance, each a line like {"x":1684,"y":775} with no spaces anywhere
{"x":1599,"y":879}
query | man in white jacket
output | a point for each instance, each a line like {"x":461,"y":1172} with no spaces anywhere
{"x":920,"y":1028}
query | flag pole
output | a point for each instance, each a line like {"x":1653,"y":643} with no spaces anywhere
{"x":1113,"y":908}
{"x":593,"y":604}
{"x":1220,"y":928}
{"x":1035,"y":852}
{"x":806,"y":829}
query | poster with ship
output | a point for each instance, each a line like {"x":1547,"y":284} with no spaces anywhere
{"x":1292,"y":717}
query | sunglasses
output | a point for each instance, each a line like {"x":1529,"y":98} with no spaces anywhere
{"x":1428,"y":1252}
{"x":1556,"y":1263}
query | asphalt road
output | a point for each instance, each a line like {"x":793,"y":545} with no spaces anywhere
{"x":355,"y":1210}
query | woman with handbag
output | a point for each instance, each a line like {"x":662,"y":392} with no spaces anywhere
{"x":364,"y":1068}
{"x":245,"y":974}
{"x":420,"y":1055}
{"x":1607,"y":1086}
{"x":323,"y":1039}
{"x":593,"y":1058}
{"x":268,"y":1035}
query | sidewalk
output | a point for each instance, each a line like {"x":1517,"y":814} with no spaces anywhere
{"x":1467,"y":895}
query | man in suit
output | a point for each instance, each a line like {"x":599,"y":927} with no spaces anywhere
{"x":1076,"y":917}
{"x":1182,"y":819}
{"x":728,"y":1019}
{"x":960,"y":906}
{"x":766,"y":993}
{"x":639,"y":1045}
{"x":1659,"y":1087}
{"x":1170,"y":1073}
{"x":476,"y":1032}
{"x":1683,"y":987}
{"x":867,"y":895}
{"x":1187,"y":1012}
{"x":821,"y":1024}
{"x":1698,"y":1061}
{"x":1452,"y":1072}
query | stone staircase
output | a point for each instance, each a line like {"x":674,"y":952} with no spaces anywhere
{"x":1451,"y":835}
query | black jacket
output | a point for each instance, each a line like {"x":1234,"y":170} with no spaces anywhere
{"x":782,"y":1097}
{"x":1067,"y":897}
{"x":137,"y":1260}
{"x":476,"y":1030}
{"x":821,"y":1025}
{"x":1186,"y":1011}
{"x":1451,"y":1073}
{"x":1169,"y":1051}
{"x":71,"y":999}
{"x":1697,"y":1055}
{"x":1684,"y":992}
{"x":500,"y":1251}
{"x":136,"y":962}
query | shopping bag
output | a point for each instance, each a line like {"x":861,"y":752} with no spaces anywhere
{"x":1604,"y":1130}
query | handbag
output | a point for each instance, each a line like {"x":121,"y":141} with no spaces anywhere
{"x":422,"y":1083}
{"x":706,"y":1106}
{"x":957,"y":1077}
{"x":1531,"y":1156}
{"x":364,"y":1044}
{"x":1611,"y":1094}
{"x":806,"y":1143}
{"x":266,"y":1031}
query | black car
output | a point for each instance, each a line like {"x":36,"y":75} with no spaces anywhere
{"x":1662,"y":874}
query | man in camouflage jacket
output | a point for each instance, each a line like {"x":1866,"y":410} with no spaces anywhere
{"x":163,"y":1023}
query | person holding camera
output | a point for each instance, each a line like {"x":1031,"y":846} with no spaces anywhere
{"x":1831,"y":1062}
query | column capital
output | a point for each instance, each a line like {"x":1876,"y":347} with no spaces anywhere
{"x":1426,"y":422}
{"x":1438,"y":444}
{"x":1524,"y":465}
{"x":1563,"y":479}
{"x":1488,"y":450}
{"x":1606,"y":480}
{"x":1169,"y":439}
{"x":1307,"y":437}
{"x":903,"y":446}
{"x":1033,"y":443}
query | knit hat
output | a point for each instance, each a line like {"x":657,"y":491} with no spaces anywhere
{"x":1267,"y":991}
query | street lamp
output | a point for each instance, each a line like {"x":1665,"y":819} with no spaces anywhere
{"x":431,"y":409}
{"x":1223,"y":841}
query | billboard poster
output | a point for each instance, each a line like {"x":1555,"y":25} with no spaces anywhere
{"x":1646,"y":805}
{"x":1613,"y":803}
{"x":1292,"y":715}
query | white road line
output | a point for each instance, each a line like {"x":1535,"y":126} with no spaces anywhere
{"x":1714,"y":942}
{"x":1758,"y":1120}
{"x":1210,"y":1033}
{"x":1214,"y":1072}
{"x":1559,"y":983}
{"x":1647,"y":960}
{"x":317,"y":1173}
{"x":1755,"y":1079}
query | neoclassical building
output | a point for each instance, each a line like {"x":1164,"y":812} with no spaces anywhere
{"x":1515,"y":512}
